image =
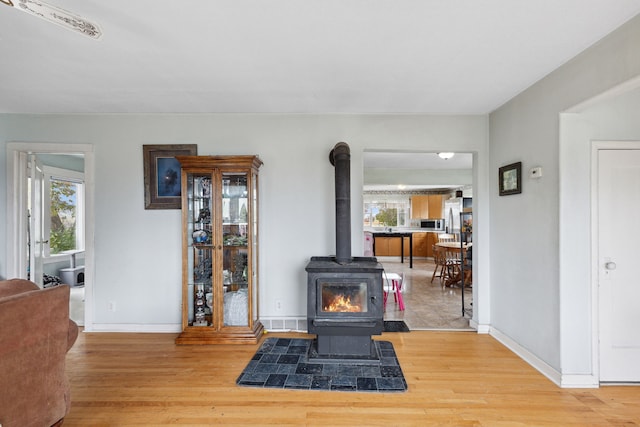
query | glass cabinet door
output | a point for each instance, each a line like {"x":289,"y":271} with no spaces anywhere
{"x":254,"y":247}
{"x":235,"y":263}
{"x":200,"y":250}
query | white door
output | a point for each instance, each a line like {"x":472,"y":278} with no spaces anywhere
{"x":37,"y":239}
{"x":619,"y":278}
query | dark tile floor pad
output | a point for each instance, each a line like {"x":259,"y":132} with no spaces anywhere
{"x":283,"y":363}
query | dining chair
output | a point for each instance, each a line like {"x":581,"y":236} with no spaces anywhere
{"x":440,"y":261}
{"x":452,"y":266}
{"x":447,"y":237}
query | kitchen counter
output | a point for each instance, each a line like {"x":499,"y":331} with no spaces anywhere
{"x":422,"y":241}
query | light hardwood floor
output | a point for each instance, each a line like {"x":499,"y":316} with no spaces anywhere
{"x":454,"y":378}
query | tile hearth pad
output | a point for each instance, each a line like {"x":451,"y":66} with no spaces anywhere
{"x":283,"y":363}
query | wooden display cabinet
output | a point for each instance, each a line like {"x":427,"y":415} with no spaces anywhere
{"x":220,"y":250}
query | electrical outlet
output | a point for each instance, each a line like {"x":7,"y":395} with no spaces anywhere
{"x":278,"y":305}
{"x":111,"y":306}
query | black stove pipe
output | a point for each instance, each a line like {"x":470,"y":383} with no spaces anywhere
{"x":340,"y":158}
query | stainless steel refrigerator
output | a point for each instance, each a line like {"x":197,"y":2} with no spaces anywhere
{"x":452,"y":209}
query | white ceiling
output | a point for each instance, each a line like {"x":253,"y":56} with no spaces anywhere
{"x":414,"y":160}
{"x":410,"y":162}
{"x":294,"y":56}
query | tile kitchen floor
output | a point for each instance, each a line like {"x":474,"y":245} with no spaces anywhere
{"x":427,"y":305}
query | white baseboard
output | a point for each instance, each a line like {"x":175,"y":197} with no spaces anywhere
{"x":579,"y":381}
{"x":561,"y":380}
{"x":135,"y":327}
{"x":271,"y":324}
{"x":540,"y":365}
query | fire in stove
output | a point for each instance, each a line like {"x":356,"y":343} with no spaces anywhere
{"x":345,"y":297}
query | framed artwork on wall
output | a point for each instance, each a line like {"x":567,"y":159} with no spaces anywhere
{"x":162,"y":174}
{"x":510,"y":177}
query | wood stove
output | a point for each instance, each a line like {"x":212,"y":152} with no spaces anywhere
{"x":344,"y":293}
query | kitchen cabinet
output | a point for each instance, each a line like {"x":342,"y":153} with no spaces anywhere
{"x":419,"y":207}
{"x":388,"y":246}
{"x":432,"y":239}
{"x":420,"y":244}
{"x":219,"y":250}
{"x":423,"y":244}
{"x":426,"y":206}
{"x":435,"y":206}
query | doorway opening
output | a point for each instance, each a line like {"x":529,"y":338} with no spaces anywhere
{"x":50,"y":201}
{"x":400,"y":191}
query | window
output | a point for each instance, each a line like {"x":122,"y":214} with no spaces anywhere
{"x":386,"y":210}
{"x":64,"y":200}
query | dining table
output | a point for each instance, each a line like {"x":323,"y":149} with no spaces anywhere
{"x":455,"y":245}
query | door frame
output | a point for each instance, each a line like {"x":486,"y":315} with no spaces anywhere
{"x":16,"y":203}
{"x":596,"y":147}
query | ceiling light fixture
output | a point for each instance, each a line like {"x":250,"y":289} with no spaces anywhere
{"x":57,"y":16}
{"x":446,"y":156}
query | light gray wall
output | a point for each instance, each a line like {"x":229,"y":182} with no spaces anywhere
{"x":137,"y":251}
{"x":525,"y":271}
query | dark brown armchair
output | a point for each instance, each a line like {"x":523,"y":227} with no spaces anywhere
{"x":35,"y":335}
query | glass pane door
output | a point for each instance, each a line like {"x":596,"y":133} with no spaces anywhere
{"x":235,"y":220}
{"x":200,"y":253}
{"x":254,"y":248}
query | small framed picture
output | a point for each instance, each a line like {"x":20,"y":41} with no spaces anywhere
{"x":162,"y":174}
{"x":510,"y":177}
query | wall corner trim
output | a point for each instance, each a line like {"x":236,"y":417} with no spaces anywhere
{"x":480,"y":328}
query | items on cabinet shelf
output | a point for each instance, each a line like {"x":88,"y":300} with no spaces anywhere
{"x":199,"y":307}
{"x":220,"y":251}
{"x":466,"y":265}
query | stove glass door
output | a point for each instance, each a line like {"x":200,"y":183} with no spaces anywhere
{"x":343,"y":297}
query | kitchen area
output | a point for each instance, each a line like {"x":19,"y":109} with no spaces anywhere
{"x":411,"y":201}
{"x":429,"y":215}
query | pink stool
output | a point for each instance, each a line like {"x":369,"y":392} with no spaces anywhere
{"x":397,"y":295}
{"x":393,"y":283}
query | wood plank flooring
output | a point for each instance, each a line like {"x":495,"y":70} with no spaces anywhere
{"x":454,"y":378}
